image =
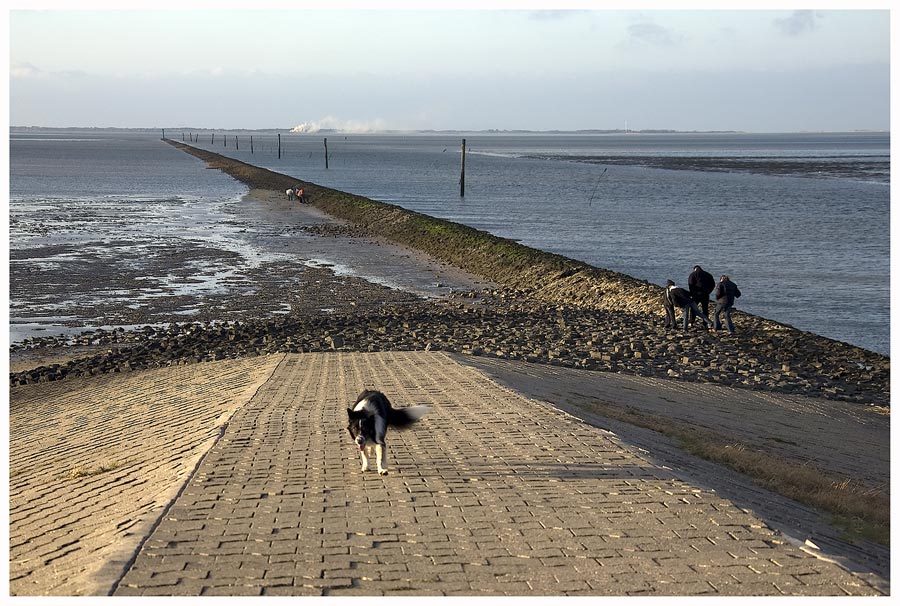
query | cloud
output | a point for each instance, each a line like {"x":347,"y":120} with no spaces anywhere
{"x":798,"y":23}
{"x":343,"y":126}
{"x":554,"y":15}
{"x":646,"y":32}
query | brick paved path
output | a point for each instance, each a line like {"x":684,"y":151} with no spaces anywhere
{"x":492,"y":493}
{"x":844,"y":439}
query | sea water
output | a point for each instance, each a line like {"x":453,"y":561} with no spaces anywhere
{"x":799,"y":221}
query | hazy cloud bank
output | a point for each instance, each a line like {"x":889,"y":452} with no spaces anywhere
{"x":844,"y":98}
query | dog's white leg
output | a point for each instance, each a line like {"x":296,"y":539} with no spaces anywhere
{"x":365,"y":461}
{"x":381,"y":458}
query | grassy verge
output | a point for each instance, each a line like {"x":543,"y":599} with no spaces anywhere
{"x":860,"y":511}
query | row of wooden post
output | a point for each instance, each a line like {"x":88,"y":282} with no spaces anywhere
{"x":212,"y":141}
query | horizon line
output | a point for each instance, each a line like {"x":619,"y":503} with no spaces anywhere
{"x":288,"y":130}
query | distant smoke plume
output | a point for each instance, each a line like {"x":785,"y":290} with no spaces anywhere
{"x":331,"y":123}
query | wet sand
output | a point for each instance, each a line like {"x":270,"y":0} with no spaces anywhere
{"x":870,"y":170}
{"x":325,"y":241}
{"x":276,"y":257}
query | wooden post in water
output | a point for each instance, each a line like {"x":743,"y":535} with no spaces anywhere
{"x":251,"y":144}
{"x":279,"y":146}
{"x":462,"y":172}
{"x":212,"y":139}
{"x":164,"y":134}
{"x":236,"y":147}
{"x":326,"y":153}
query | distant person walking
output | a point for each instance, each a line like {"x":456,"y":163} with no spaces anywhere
{"x":668,"y":305}
{"x":682,"y":298}
{"x":726,"y":292}
{"x":701,"y":284}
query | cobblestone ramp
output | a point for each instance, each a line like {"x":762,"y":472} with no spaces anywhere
{"x":490,"y":494}
{"x":843,"y":439}
{"x":93,"y":463}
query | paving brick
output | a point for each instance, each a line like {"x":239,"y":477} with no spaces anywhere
{"x":150,"y":426}
{"x":491,"y":493}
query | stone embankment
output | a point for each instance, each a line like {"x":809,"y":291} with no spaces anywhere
{"x":549,"y":309}
{"x":504,"y":325}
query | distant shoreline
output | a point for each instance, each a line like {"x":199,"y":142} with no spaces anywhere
{"x":492,"y":131}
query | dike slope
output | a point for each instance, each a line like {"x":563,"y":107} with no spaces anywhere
{"x":533,"y":272}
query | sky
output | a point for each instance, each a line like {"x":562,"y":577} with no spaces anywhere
{"x":467,"y":69}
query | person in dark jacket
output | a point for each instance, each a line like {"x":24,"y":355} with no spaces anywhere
{"x":679,"y":297}
{"x":701,"y":284}
{"x":667,"y":303}
{"x":726,"y":292}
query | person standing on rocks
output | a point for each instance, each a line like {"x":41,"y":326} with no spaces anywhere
{"x":701,"y":284}
{"x":670,"y":307}
{"x":682,"y":298}
{"x":726,"y":292}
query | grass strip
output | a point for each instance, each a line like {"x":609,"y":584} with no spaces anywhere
{"x":860,"y":511}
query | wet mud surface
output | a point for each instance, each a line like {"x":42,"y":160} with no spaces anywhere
{"x":249,"y":259}
{"x":839,"y":167}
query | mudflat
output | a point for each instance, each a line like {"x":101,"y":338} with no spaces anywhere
{"x":271,"y":257}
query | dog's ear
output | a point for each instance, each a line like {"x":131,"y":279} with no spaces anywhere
{"x":349,"y":413}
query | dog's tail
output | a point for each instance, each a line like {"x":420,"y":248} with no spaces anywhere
{"x":404,"y":417}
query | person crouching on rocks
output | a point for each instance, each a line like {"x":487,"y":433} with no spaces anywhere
{"x":670,"y":307}
{"x":726,"y":292}
{"x":679,"y":297}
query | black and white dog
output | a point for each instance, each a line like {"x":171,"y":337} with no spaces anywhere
{"x":369,"y":420}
